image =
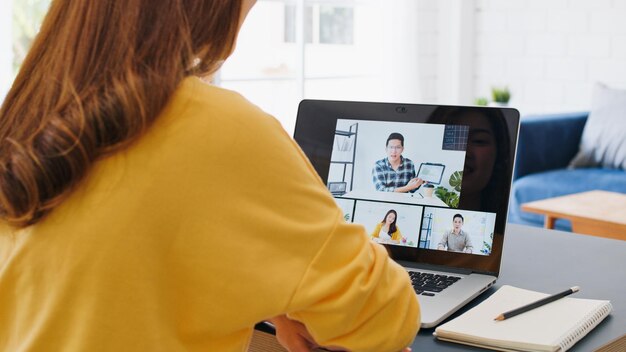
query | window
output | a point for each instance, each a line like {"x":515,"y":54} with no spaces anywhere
{"x":331,"y":24}
{"x":290,"y":24}
{"x":338,"y":57}
{"x":19,"y":24}
{"x":27,"y":17}
{"x":336,"y":25}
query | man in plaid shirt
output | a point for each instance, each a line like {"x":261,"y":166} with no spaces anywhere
{"x":395,"y":173}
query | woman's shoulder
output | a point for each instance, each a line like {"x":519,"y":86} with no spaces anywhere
{"x":195,"y":98}
{"x":377,"y":228}
{"x":194,"y":87}
{"x":215,"y":114}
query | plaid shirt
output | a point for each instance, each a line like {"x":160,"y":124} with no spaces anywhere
{"x":386,"y":179}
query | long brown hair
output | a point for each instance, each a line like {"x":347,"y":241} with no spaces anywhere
{"x":392,"y":227}
{"x":97,"y":76}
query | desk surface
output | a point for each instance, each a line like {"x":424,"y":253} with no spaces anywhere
{"x":405,"y":198}
{"x":549,"y":261}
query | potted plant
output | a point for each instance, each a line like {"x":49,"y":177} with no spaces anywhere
{"x":451,"y":197}
{"x":501,"y":96}
{"x":456,"y":179}
{"x":486,"y":250}
{"x":481,"y":101}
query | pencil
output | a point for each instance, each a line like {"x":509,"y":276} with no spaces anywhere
{"x":536,"y":304}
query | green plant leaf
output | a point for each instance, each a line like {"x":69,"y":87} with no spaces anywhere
{"x":501,"y":95}
{"x":451,"y":198}
{"x":482,"y":101}
{"x":441,"y":192}
{"x":456,"y":179}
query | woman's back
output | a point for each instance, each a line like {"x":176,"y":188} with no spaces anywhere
{"x":142,"y":209}
{"x":209,"y":223}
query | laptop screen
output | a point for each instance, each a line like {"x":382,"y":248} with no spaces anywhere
{"x":431,"y":183}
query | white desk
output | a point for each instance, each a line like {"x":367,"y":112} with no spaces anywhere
{"x":405,"y":198}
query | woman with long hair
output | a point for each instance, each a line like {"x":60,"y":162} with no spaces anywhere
{"x":387,"y":231}
{"x":129,"y":221}
{"x":488,"y":155}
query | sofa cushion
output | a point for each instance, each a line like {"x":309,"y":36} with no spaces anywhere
{"x":603,"y":141}
{"x":558,"y":183}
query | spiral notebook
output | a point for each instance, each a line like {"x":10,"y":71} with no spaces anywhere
{"x":556,"y":326}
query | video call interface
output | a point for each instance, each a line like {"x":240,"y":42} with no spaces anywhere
{"x":402,"y":182}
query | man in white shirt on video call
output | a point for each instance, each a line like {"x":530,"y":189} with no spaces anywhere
{"x":456,"y":239}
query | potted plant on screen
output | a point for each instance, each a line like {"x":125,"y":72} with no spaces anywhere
{"x":451,"y":197}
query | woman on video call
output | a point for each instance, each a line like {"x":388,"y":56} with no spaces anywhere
{"x":115,"y":211}
{"x":387,"y":231}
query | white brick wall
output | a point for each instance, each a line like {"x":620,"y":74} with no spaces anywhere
{"x":562,"y":69}
{"x":549,"y":52}
{"x":548,"y":5}
{"x":586,"y":4}
{"x":618,"y":46}
{"x":589,"y":45}
{"x":619,"y":4}
{"x":546,"y":44}
{"x":527,"y":21}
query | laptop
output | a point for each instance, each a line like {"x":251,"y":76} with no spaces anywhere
{"x":447,"y":226}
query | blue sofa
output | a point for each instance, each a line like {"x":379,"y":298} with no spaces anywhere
{"x":547,"y":143}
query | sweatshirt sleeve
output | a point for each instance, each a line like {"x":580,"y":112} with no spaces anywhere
{"x":326,"y":273}
{"x":353,"y":296}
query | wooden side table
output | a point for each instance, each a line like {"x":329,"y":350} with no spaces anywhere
{"x":598,"y":213}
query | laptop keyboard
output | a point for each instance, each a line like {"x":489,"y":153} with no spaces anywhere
{"x":428,"y":284}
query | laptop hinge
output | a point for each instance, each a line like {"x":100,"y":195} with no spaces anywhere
{"x":414,"y":265}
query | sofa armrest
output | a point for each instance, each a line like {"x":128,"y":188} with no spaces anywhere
{"x":548,"y":142}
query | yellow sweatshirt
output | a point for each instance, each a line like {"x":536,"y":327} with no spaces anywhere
{"x":212,"y":221}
